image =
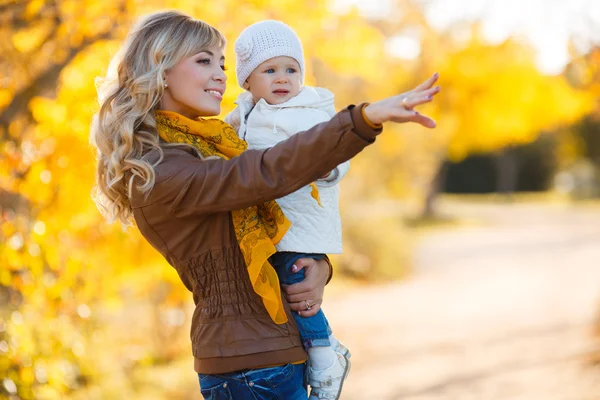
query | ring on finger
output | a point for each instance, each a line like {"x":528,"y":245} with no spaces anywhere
{"x":405,"y":104}
{"x":307,"y":305}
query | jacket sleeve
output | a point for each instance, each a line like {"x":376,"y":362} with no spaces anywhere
{"x":335,"y":176}
{"x":187,"y":185}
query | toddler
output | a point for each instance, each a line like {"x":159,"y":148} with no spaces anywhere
{"x":275,"y":106}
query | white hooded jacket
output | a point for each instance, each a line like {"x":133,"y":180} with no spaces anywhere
{"x":315,"y":228}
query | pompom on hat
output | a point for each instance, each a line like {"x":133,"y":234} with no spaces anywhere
{"x":262,"y":41}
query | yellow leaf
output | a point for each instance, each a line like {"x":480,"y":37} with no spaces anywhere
{"x":29,"y":38}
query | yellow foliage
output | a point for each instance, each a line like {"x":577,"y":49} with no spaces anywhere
{"x":6,"y":96}
{"x":47,"y":110}
{"x":27,"y":39}
{"x":33,"y":8}
{"x":500,"y":98}
{"x":75,"y":272}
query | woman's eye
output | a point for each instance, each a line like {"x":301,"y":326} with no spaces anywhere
{"x":205,"y":61}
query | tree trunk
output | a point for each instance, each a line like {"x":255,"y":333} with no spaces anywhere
{"x":436,"y":186}
{"x":507,"y":168}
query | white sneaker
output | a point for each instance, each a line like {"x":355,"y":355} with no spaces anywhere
{"x":343,"y":350}
{"x":327,"y":383}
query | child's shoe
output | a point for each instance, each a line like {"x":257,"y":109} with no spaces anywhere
{"x":327,"y":383}
{"x":343,"y":350}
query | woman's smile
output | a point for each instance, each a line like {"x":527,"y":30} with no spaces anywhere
{"x":218,"y":93}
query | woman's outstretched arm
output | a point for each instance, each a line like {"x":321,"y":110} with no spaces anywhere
{"x":192,"y":186}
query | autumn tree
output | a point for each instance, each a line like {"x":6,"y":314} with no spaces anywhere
{"x":583,"y":72}
{"x":81,"y":299}
{"x":493,"y":98}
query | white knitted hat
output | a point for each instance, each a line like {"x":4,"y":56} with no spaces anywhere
{"x":262,"y":41}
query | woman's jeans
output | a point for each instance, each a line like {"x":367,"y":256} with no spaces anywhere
{"x":315,"y":330}
{"x":285,"y":382}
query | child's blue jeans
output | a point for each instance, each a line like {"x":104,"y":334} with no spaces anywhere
{"x":315,"y":330}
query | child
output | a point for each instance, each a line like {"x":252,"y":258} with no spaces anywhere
{"x":270,"y":66}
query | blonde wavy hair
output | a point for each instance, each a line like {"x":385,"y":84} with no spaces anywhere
{"x":124,"y":129}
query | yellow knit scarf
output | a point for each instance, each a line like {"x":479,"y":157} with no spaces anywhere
{"x":257,"y":228}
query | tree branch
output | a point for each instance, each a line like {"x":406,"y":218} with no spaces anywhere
{"x":44,"y":82}
{"x":14,"y":7}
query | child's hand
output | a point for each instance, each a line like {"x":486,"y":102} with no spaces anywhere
{"x":399,"y":108}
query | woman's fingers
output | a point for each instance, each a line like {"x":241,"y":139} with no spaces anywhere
{"x":315,"y":309}
{"x":424,"y":120}
{"x":400,"y":108}
{"x":416,"y":98}
{"x":431,"y":91}
{"x":306,"y":308}
{"x":427,"y":84}
{"x":300,"y":297}
{"x":414,"y":116}
{"x":411,"y":100}
{"x":315,"y":276}
{"x":300,"y":288}
{"x":303,"y":263}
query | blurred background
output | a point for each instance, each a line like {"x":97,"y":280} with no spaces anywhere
{"x":472,"y":252}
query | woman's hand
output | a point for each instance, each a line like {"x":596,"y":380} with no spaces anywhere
{"x":399,"y":108}
{"x":306,"y":297}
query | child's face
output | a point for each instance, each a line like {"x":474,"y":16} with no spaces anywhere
{"x":276,"y":80}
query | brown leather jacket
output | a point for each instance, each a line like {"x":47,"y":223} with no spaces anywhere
{"x":186,"y":217}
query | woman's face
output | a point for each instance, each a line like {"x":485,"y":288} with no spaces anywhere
{"x":195,"y":85}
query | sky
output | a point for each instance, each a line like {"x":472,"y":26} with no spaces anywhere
{"x":546,"y":24}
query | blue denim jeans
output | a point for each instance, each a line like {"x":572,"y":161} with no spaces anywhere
{"x":315,"y":330}
{"x":284,"y":382}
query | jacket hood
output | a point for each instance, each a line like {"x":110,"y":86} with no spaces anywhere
{"x":313,"y":97}
{"x":308,"y":97}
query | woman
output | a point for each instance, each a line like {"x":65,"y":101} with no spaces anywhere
{"x":207,"y":205}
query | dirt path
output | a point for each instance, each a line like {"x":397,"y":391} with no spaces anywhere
{"x":502,"y":310}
